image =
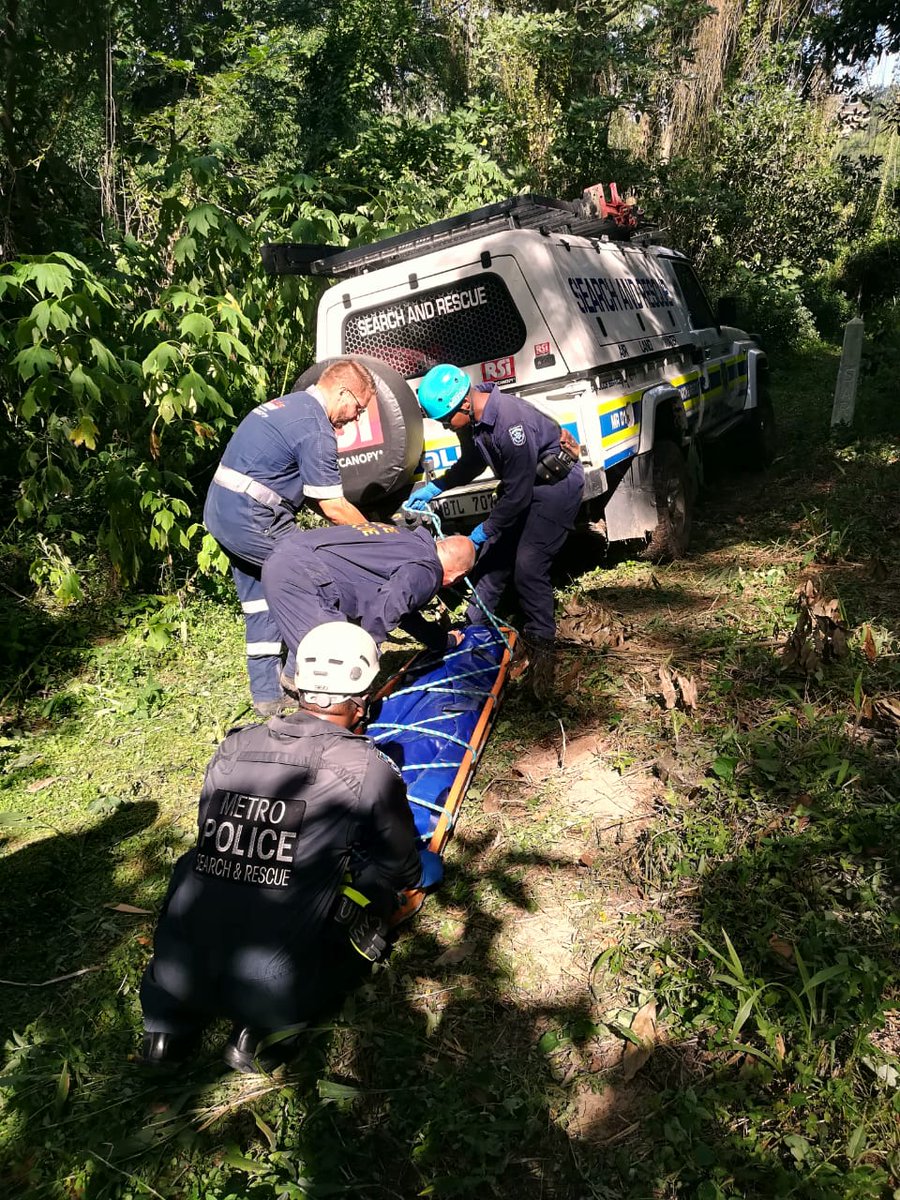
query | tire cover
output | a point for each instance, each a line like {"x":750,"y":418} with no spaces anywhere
{"x":379,"y":454}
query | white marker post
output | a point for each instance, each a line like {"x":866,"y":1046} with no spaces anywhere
{"x":848,"y":374}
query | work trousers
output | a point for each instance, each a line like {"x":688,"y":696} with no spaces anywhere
{"x":300,"y":597}
{"x":196,"y":976}
{"x":525,"y":551}
{"x":247,"y":531}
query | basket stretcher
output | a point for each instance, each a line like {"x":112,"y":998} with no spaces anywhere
{"x":433,"y":719}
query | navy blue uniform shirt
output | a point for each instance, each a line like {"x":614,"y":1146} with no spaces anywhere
{"x":383,"y":574}
{"x":510,"y":438}
{"x":289,"y":445}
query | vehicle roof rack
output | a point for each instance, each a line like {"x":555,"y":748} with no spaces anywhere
{"x":591,"y":216}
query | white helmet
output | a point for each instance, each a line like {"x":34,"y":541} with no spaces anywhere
{"x":335,"y":661}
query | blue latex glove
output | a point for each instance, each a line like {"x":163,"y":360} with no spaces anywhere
{"x":478,"y":537}
{"x":432,"y":869}
{"x":418,"y":501}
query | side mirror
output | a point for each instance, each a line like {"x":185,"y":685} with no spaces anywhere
{"x":727,"y":310}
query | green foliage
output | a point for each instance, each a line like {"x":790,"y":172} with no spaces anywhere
{"x":870,"y":273}
{"x":772,"y":303}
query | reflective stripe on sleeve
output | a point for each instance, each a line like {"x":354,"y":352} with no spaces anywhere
{"x":332,"y":492}
{"x":254,"y":606}
{"x":262,"y":649}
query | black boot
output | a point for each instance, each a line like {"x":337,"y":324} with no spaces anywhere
{"x":249,"y":1051}
{"x":167,"y":1049}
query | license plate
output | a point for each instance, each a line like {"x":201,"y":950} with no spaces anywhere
{"x":466,"y":504}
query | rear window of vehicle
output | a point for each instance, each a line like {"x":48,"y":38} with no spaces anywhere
{"x":468,"y":321}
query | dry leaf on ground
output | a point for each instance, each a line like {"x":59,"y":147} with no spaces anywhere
{"x":39,"y":784}
{"x":888,"y":708}
{"x":820,"y":633}
{"x":670,"y":696}
{"x":781,"y":947}
{"x":589,"y":624}
{"x":129,"y":908}
{"x":644,"y":1027}
{"x":869,"y":645}
{"x":688,"y":691}
{"x":456,"y":954}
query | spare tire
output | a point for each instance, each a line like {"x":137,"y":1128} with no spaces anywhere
{"x":380,"y":453}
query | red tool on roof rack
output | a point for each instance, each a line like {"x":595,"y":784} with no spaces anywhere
{"x":625,"y":215}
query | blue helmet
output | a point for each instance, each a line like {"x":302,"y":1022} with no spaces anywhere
{"x":442,"y":391}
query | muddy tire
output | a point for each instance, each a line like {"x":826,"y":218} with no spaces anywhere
{"x":759,"y":437}
{"x":379,"y":456}
{"x":674,"y":504}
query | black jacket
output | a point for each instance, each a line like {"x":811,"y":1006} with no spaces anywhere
{"x":284,"y":809}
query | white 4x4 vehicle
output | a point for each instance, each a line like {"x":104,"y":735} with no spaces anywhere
{"x":564,"y":304}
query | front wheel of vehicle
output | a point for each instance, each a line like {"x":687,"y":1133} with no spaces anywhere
{"x":759,"y":443}
{"x":674,"y":504}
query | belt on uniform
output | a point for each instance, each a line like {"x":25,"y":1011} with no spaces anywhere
{"x":236,"y":481}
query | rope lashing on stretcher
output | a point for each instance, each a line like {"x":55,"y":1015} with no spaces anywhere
{"x":465,"y":685}
{"x":435,"y":519}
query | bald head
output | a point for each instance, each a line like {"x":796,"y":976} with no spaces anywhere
{"x":457,"y":556}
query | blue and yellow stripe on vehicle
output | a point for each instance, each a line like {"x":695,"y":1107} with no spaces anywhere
{"x":620,"y":427}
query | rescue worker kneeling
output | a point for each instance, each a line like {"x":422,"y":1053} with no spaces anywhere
{"x":256,"y":925}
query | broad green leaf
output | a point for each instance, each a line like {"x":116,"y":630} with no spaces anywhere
{"x":195,"y":325}
{"x":160,"y":357}
{"x":724,"y":767}
{"x":180,"y":298}
{"x":202,"y":218}
{"x":234,"y":1158}
{"x":151,"y":317}
{"x":185,"y":250}
{"x":28,"y":405}
{"x":85,"y":305}
{"x":102,"y":356}
{"x":40,"y":314}
{"x":34,"y":360}
{"x":82,"y":382}
{"x":229,"y":344}
{"x":856,"y":1142}
{"x":47,"y":277}
{"x":192,"y":388}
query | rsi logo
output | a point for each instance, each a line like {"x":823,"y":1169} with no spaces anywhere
{"x":364,"y":432}
{"x":499,"y":369}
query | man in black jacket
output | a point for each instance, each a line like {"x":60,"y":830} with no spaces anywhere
{"x":248,"y":929}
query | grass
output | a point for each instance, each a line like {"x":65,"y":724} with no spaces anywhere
{"x":710,"y":889}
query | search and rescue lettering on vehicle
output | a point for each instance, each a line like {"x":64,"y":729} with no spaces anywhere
{"x":410,"y":313}
{"x":595,"y":294}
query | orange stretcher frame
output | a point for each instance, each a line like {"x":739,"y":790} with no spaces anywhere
{"x":415,"y":897}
